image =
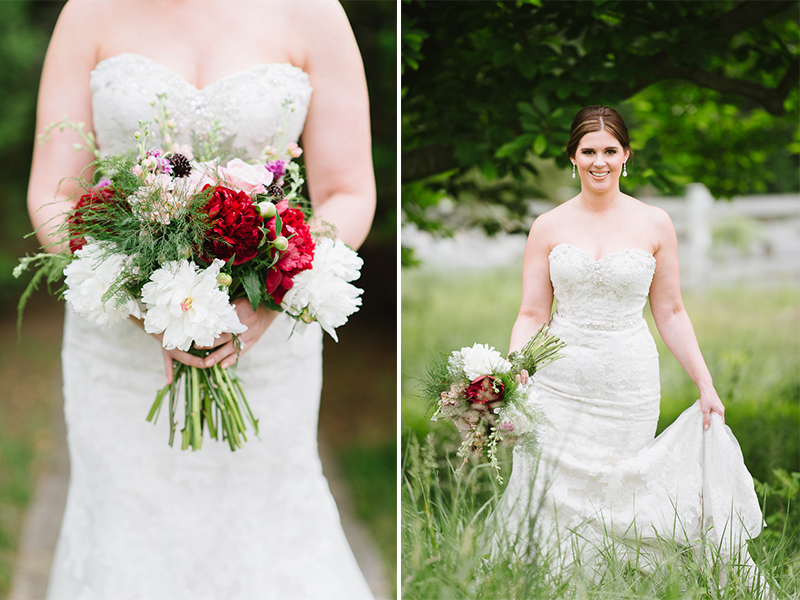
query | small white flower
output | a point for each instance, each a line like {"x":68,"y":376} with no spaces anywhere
{"x":480,"y":359}
{"x":186,"y":304}
{"x":89,"y":277}
{"x":323,"y":292}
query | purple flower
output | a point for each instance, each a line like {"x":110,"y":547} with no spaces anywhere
{"x":157,"y":163}
{"x":277,"y":168}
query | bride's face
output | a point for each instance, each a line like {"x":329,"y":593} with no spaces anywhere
{"x":599,"y":159}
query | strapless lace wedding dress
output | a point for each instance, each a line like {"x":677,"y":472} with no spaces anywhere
{"x":599,"y":470}
{"x":147,"y":521}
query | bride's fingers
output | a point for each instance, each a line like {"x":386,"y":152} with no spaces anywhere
{"x":167,"y":365}
{"x":222,"y":339}
{"x":227,"y":354}
{"x":186,"y":358}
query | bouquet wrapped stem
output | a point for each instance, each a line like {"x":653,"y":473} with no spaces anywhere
{"x":213,"y":398}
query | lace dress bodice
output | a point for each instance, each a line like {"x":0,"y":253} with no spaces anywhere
{"x":609,"y":293}
{"x":256,"y":106}
{"x":147,"y":521}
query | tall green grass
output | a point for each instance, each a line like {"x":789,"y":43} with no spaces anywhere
{"x":750,"y":341}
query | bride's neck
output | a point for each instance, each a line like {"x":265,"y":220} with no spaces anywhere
{"x":602,"y":202}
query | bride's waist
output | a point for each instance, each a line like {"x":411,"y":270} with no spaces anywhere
{"x":605,"y":323}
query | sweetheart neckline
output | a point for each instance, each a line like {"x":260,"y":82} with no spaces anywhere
{"x":189,"y":83}
{"x":602,"y":258}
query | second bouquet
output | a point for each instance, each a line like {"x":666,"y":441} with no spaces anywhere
{"x":171,"y":238}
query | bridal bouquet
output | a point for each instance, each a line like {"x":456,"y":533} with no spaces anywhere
{"x":171,"y":236}
{"x":477,"y":389}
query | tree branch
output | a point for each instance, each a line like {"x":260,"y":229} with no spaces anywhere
{"x":771,"y":99}
{"x":751,"y":12}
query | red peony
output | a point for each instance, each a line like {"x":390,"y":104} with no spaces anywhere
{"x":485,"y":389}
{"x":297,"y":257}
{"x":88,"y":209}
{"x":236,"y":226}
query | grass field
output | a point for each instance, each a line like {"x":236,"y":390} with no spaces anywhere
{"x":751,"y":344}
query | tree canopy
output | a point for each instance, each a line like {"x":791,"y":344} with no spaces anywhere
{"x":709,"y":90}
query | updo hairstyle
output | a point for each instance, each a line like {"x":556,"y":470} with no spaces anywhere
{"x":597,"y":118}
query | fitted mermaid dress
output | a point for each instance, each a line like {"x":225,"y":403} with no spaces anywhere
{"x":599,"y":473}
{"x":147,"y":521}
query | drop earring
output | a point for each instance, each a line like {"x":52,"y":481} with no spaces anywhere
{"x":573,"y":170}
{"x":625,"y":169}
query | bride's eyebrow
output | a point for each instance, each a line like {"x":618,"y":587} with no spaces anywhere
{"x":582,"y":148}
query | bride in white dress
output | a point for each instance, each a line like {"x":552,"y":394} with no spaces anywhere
{"x":602,"y":255}
{"x":144,"y":520}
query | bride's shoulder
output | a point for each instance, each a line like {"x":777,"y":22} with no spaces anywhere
{"x":653,"y":220}
{"x":547,"y":225}
{"x":323,"y":32}
{"x":318,"y":21}
{"x":553,"y":217}
{"x":652,"y":215}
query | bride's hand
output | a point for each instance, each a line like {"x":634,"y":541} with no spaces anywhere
{"x":257,"y":322}
{"x":522,"y":378}
{"x":710,"y":403}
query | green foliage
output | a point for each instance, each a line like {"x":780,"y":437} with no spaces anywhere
{"x":709,"y":90}
{"x":50,"y":269}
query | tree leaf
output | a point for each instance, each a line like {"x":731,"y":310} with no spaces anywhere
{"x":252,"y":287}
{"x":540,"y":145}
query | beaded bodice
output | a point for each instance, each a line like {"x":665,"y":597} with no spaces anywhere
{"x":607,"y":294}
{"x":253,"y":107}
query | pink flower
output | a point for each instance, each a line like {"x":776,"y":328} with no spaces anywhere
{"x":295,"y":150}
{"x":506,"y":427}
{"x":250,"y":179}
{"x":184,"y":149}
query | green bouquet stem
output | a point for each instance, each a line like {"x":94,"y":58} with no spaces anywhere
{"x":213,"y":399}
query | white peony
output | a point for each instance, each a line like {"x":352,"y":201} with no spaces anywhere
{"x":187,"y":305}
{"x":322,"y":293}
{"x":480,"y":359}
{"x":89,"y":277}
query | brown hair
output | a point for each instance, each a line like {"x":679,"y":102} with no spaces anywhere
{"x":597,"y":118}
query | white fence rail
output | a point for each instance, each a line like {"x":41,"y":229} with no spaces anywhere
{"x":749,"y":240}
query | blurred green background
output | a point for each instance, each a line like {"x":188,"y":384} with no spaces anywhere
{"x":357,"y":429}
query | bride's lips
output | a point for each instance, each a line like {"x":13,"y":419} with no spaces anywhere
{"x":599,"y":174}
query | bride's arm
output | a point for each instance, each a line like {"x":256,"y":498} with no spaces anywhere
{"x":537,"y":291}
{"x":64,"y":90}
{"x":336,"y":139}
{"x":673,"y":321}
